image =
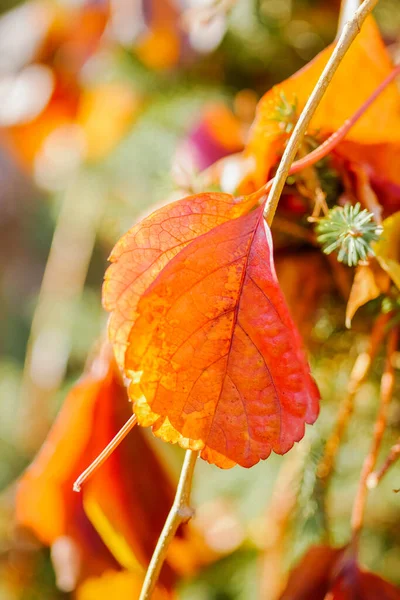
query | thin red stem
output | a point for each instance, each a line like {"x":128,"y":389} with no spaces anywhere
{"x":387,"y":386}
{"x":375,"y":477}
{"x":108,"y":450}
{"x":357,"y":377}
{"x":330,"y":144}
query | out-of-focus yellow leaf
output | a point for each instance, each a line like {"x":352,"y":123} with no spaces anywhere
{"x":387,"y":249}
{"x":105,"y":113}
{"x":159,"y":49}
{"x":122,"y":585}
{"x":369,"y":282}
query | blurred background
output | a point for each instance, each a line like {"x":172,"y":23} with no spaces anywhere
{"x":108,"y":109}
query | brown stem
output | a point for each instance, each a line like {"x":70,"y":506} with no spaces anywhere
{"x":358,"y":375}
{"x":387,"y":386}
{"x":375,"y":477}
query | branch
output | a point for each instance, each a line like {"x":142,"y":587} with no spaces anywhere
{"x":375,"y":477}
{"x":347,"y":10}
{"x":181,"y":512}
{"x":387,"y":386}
{"x":357,"y":377}
{"x":349,"y":33}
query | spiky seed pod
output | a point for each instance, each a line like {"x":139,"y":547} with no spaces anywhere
{"x":349,"y":231}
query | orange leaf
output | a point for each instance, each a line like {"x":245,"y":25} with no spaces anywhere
{"x":144,"y":251}
{"x":117,"y":518}
{"x":45,"y":500}
{"x":215,"y":360}
{"x":105,"y":114}
{"x":380,"y":124}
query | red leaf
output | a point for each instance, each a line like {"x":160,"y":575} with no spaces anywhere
{"x":310,"y":579}
{"x":215,"y":360}
{"x":333,"y":573}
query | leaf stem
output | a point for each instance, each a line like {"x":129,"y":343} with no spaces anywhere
{"x":357,"y":377}
{"x":349,"y":33}
{"x":181,"y":512}
{"x":375,"y":477}
{"x":108,"y":450}
{"x":387,"y":386}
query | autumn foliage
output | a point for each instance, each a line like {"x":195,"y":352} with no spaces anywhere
{"x":115,"y":522}
{"x":216,"y":308}
{"x":186,"y":333}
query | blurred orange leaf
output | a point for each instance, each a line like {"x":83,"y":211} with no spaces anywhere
{"x":105,"y":113}
{"x":117,"y":518}
{"x":159,"y":46}
{"x":45,"y":501}
{"x":214,"y":357}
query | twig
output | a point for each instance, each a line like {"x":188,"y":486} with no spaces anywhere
{"x":108,"y":450}
{"x":349,"y":33}
{"x":387,"y":386}
{"x":375,"y":477}
{"x":181,"y":512}
{"x":347,"y":10}
{"x":358,"y":375}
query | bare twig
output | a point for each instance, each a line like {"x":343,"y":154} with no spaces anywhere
{"x":108,"y":450}
{"x":375,"y":477}
{"x":181,"y":512}
{"x":387,"y":386}
{"x":358,"y":375}
{"x":347,"y":10}
{"x":349,"y":33}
